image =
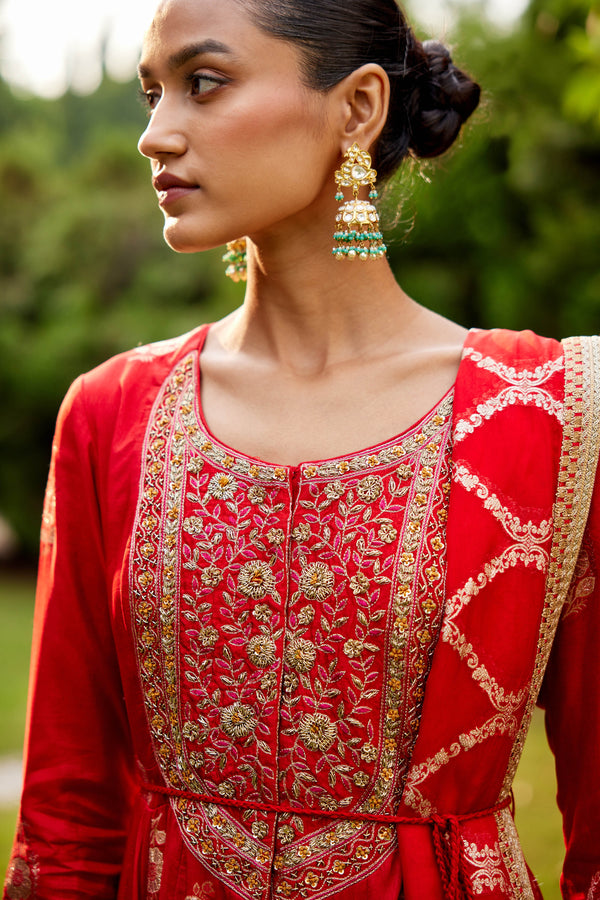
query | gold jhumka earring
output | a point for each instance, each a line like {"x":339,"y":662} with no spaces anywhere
{"x":236,"y":260}
{"x":358,"y":234}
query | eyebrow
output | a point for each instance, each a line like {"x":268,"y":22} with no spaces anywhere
{"x":190,"y":51}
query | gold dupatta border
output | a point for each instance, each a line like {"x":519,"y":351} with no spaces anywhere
{"x":576,"y":477}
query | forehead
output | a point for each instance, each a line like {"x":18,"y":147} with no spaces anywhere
{"x":178,"y":22}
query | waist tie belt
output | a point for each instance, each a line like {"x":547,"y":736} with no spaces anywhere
{"x":449,"y":850}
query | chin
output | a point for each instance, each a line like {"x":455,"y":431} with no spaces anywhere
{"x":181,"y":240}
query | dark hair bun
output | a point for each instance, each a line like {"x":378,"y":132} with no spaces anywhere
{"x":446,"y":99}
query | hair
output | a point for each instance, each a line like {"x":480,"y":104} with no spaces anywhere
{"x":430,"y":98}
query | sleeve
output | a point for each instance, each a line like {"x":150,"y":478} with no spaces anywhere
{"x":78,"y":780}
{"x":571,"y":699}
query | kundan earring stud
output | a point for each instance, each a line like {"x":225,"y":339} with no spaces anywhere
{"x":236,"y":260}
{"x":358,"y":230}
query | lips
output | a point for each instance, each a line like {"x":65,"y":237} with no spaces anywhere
{"x":171,"y":188}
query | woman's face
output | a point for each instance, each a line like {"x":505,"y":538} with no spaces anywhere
{"x":238,"y":144}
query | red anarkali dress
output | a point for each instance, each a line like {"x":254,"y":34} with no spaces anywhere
{"x":261,"y":681}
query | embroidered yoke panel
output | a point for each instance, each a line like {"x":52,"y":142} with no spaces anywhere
{"x":285,"y":621}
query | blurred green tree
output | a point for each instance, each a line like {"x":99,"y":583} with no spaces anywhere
{"x":503,"y":232}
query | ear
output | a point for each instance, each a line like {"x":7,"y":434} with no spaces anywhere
{"x":364,"y":97}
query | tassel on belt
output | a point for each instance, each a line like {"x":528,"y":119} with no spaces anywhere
{"x":449,"y":851}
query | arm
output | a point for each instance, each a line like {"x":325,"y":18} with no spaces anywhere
{"x":78,"y":780}
{"x":571,"y":698}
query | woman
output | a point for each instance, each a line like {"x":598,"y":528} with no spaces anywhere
{"x":268,"y":661}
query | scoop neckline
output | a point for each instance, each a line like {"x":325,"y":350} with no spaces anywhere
{"x":441,"y":410}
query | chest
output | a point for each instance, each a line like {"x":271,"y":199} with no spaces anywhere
{"x":285,"y":618}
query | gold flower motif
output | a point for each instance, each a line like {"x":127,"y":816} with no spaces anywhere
{"x":268,"y":681}
{"x":211,"y":576}
{"x":191,"y":731}
{"x":353,"y":648}
{"x":261,"y":651}
{"x":387,"y":533}
{"x":317,"y":581}
{"x":327,"y":803}
{"x":312,"y":879}
{"x":276,"y":536}
{"x":286,"y":834}
{"x":437,"y":544}
{"x":317,"y":731}
{"x":238,"y":720}
{"x":362,"y":852}
{"x":226,"y":789}
{"x":370,"y":488}
{"x":290,"y":682}
{"x":433,"y":573}
{"x":368,"y":752}
{"x":339,"y":867}
{"x":301,"y":654}
{"x":301,"y":532}
{"x":253,"y":883}
{"x":262,"y":856}
{"x":196,"y":760}
{"x":195,"y":465}
{"x":360,"y":779}
{"x":256,"y":580}
{"x":262,"y":612}
{"x":334,"y":490}
{"x":303,"y":851}
{"x":208,"y":636}
{"x":306,"y":615}
{"x":144,"y":610}
{"x":260,"y":830}
{"x":257,"y":494}
{"x":222,"y":486}
{"x":359,"y":584}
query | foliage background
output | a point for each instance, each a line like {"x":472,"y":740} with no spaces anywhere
{"x":503,"y":232}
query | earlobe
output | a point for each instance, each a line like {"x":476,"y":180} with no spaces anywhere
{"x":367,"y":98}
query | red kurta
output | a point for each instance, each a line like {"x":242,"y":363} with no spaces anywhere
{"x":314,"y":651}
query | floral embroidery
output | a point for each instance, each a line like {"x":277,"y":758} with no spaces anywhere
{"x":155,"y":856}
{"x":301,"y":654}
{"x":317,"y":582}
{"x":205,"y":891}
{"x":222,"y":486}
{"x":256,"y":580}
{"x":487,"y":873}
{"x":512,"y":856}
{"x":583,"y":584}
{"x":238,"y":720}
{"x":278,"y":670}
{"x":317,"y":731}
{"x":262,"y":651}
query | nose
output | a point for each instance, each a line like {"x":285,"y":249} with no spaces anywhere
{"x":164,"y":135}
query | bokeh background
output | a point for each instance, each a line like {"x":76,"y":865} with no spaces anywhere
{"x":504,"y":231}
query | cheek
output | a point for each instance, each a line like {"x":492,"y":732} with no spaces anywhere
{"x":278,"y":138}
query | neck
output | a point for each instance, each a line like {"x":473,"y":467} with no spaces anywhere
{"x":309,"y":311}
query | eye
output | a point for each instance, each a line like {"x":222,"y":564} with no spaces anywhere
{"x":148,"y":99}
{"x":202,"y":84}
